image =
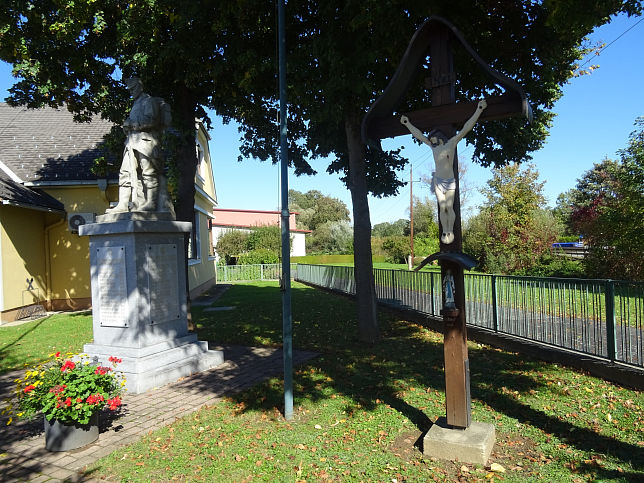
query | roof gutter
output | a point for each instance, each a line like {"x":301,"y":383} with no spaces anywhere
{"x":32,"y":207}
{"x":85,"y":182}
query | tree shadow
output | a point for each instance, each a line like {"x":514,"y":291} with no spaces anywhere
{"x":373,"y":375}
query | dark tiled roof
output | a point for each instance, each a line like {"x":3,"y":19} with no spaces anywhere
{"x":47,"y":145}
{"x":16,"y":194}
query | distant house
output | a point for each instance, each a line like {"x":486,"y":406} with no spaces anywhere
{"x":246,"y":220}
{"x":47,"y":189}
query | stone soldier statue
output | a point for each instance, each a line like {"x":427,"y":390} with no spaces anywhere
{"x":141,"y":178}
{"x":444,"y":179}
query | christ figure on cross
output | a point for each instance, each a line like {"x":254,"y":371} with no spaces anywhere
{"x":444,"y":178}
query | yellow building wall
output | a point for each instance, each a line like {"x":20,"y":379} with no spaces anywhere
{"x":68,"y":252}
{"x":201,"y":273}
{"x":22,"y":245}
{"x":205,"y":180}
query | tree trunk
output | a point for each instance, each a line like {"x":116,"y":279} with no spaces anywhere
{"x":363,"y":264}
{"x":186,"y":168}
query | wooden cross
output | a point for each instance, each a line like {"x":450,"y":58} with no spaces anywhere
{"x":435,"y":37}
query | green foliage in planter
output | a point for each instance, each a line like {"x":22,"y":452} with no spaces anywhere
{"x":67,"y":388}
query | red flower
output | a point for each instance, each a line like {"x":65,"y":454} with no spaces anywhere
{"x":114,"y":402}
{"x":95,"y":399}
{"x":57,"y":354}
{"x":68,"y":401}
{"x":29,"y":388}
{"x":102,"y":370}
{"x":115,"y":360}
{"x":67,"y":365}
{"x":79,"y":399}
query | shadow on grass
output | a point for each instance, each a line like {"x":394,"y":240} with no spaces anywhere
{"x":4,"y":350}
{"x":407,"y":357}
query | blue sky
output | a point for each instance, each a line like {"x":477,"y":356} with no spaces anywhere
{"x":594,"y":118}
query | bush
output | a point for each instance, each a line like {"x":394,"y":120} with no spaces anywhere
{"x":332,"y":237}
{"x":556,"y":266}
{"x":396,"y":249}
{"x":255,"y":257}
{"x":231,"y":244}
{"x":266,"y":238}
{"x":425,"y":245}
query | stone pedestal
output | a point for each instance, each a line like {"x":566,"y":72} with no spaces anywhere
{"x":139,"y":299}
{"x":471,"y":445}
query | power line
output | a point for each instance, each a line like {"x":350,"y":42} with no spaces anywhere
{"x":612,"y":42}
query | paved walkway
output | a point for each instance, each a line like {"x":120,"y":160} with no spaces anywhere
{"x":22,"y":445}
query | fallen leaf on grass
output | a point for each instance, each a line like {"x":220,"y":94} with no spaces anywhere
{"x":497,"y":468}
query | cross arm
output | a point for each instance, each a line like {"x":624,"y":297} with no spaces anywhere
{"x":498,"y":107}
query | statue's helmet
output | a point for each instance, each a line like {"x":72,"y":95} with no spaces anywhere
{"x":131,"y":82}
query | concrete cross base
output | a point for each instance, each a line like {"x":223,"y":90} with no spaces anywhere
{"x":155,"y":366}
{"x":471,"y":445}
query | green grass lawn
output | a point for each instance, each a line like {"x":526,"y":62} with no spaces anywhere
{"x":359,"y":409}
{"x":32,"y":342}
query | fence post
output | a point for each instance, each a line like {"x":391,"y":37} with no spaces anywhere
{"x":393,"y":287}
{"x":610,"y":319}
{"x":431,"y":292}
{"x":261,"y":272}
{"x":495,"y":314}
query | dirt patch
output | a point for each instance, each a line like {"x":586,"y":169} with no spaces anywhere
{"x":515,"y":453}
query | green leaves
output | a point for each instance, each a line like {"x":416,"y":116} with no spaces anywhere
{"x":513,"y":229}
{"x":607,"y":208}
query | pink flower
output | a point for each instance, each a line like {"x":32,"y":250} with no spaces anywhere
{"x":58,"y":389}
{"x":102,"y":370}
{"x":67,"y":365}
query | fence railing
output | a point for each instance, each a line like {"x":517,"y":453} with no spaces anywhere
{"x":603,"y":318}
{"x":247,"y":273}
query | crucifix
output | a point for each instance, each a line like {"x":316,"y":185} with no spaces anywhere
{"x":435,"y":38}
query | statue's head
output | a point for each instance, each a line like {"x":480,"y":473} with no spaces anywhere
{"x":134,"y":85}
{"x":437,"y":137}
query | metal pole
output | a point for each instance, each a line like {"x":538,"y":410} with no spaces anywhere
{"x":287,"y":325}
{"x":411,"y":213}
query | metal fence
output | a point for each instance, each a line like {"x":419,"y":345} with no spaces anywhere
{"x":248,"y":273}
{"x":603,"y":318}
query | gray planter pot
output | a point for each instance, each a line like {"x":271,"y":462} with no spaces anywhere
{"x":65,"y":437}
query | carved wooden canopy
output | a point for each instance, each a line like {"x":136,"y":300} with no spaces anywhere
{"x":379,"y":122}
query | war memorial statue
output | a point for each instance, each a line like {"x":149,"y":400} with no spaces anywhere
{"x":141,"y":178}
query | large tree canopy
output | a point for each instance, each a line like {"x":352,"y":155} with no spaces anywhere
{"x":343,"y":53}
{"x":314,"y":209}
{"x":73,"y":53}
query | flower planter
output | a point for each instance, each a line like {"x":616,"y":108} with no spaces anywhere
{"x":68,"y":436}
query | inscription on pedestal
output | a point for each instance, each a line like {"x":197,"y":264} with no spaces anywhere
{"x":112,"y":286}
{"x":163,"y":290}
